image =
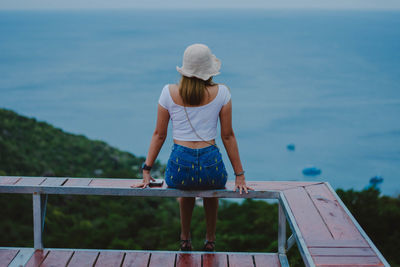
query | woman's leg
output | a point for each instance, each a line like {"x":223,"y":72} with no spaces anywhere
{"x":211,"y":210}
{"x":186,"y":205}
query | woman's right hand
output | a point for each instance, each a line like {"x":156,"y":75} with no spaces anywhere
{"x":240,"y":183}
{"x":146,"y":180}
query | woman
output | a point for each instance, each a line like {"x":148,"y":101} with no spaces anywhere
{"x":194,"y":107}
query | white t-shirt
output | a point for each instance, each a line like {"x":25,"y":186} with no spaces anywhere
{"x":203,"y":118}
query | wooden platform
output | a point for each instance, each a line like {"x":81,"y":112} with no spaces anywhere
{"x":325,"y":231}
{"x":330,"y":234}
{"x":129,"y":258}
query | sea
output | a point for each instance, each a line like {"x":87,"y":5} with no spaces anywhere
{"x":324,"y":82}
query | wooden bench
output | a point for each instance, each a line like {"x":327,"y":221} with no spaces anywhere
{"x":324,"y":230}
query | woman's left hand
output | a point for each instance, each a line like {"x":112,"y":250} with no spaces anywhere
{"x":146,"y":180}
{"x":240,"y":184}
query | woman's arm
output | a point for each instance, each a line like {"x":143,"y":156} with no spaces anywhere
{"x":230,"y":143}
{"x":157,"y":140}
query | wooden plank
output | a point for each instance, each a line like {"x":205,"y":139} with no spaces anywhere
{"x":162,"y":259}
{"x":53,"y":181}
{"x":6,"y":256}
{"x":119,"y":183}
{"x":215,"y":260}
{"x":83,"y":258}
{"x":109,"y":258}
{"x":240,"y":260}
{"x":22,"y":257}
{"x":113,"y":183}
{"x":136,"y":259}
{"x":271,"y":185}
{"x":37,"y":258}
{"x":347,"y":261}
{"x":188,"y":260}
{"x":342,"y":252}
{"x":262,"y":260}
{"x":306,"y":215}
{"x":30,"y":181}
{"x":339,"y":223}
{"x":77,"y":182}
{"x":57,"y":258}
{"x":5,"y":180}
{"x":338,"y":243}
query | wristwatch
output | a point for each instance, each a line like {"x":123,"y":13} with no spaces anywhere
{"x":239,"y":174}
{"x":146,"y":167}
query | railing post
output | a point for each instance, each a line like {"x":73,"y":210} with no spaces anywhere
{"x":281,"y":230}
{"x":37,"y":220}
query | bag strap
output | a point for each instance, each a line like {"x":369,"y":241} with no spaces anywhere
{"x":187,"y":116}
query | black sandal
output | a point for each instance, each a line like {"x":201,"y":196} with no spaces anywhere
{"x":209,"y":246}
{"x":186,"y":245}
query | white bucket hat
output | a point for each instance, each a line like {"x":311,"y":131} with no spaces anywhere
{"x":199,"y":62}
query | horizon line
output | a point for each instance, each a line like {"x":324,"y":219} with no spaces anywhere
{"x":203,"y":8}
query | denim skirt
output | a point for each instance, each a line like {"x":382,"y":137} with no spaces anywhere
{"x":192,"y":169}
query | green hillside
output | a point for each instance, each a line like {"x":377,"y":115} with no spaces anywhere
{"x":31,"y":147}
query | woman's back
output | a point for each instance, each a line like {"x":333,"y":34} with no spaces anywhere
{"x":203,"y":118}
{"x":210,"y":96}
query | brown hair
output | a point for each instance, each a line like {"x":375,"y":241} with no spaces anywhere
{"x":192,"y":89}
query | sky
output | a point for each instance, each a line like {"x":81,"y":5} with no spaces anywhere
{"x":175,"y":4}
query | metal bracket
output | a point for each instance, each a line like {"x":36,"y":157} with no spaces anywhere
{"x":290,"y":242}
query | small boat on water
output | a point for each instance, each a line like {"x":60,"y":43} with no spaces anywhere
{"x":291,"y":147}
{"x":311,"y":171}
{"x":376,"y":180}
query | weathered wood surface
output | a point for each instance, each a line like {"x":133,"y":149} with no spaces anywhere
{"x":215,"y":260}
{"x":188,"y":260}
{"x":338,"y":243}
{"x":109,"y":258}
{"x":266,"y":260}
{"x":338,"y":222}
{"x":347,"y":261}
{"x":258,"y":186}
{"x":113,"y":183}
{"x":6,"y":256}
{"x":113,"y":186}
{"x":240,"y":260}
{"x":332,"y":251}
{"x":30,"y":181}
{"x":126,"y":183}
{"x":20,"y":258}
{"x":77,"y":182}
{"x":37,"y":258}
{"x":136,"y":259}
{"x":53,"y":181}
{"x":331,"y":237}
{"x":162,"y":259}
{"x":83,"y":259}
{"x":126,"y":258}
{"x":4,"y":180}
{"x":307,"y":216}
{"x":271,"y":185}
{"x":57,"y":258}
